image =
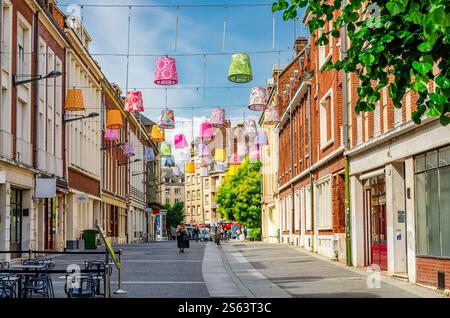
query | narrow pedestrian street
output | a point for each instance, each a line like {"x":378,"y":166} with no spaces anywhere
{"x":239,"y":269}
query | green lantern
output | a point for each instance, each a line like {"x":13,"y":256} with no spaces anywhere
{"x":240,"y":68}
{"x":166,"y":150}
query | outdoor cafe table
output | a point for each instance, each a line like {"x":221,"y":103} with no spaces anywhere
{"x":34,"y":268}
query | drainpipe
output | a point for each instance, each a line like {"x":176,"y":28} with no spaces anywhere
{"x":36,"y":91}
{"x":1,"y":41}
{"x":311,"y":172}
{"x":348,"y":237}
{"x":292,"y":169}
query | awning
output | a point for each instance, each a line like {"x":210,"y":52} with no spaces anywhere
{"x":155,"y":206}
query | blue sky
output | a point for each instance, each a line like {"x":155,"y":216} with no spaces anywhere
{"x":200,"y":31}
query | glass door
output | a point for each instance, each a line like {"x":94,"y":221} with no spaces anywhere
{"x":15,"y":222}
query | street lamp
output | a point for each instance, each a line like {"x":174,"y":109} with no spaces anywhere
{"x":79,"y":117}
{"x":34,"y":78}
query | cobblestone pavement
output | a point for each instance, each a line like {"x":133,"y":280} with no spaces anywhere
{"x":303,"y":274}
{"x":153,"y":270}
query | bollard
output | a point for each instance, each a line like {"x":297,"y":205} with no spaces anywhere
{"x":107,"y":276}
{"x":120,"y":291}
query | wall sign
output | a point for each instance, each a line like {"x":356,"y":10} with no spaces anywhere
{"x":401,"y":215}
{"x":45,"y":188}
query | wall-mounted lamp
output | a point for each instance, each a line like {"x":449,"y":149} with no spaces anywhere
{"x":79,"y":117}
{"x":104,"y":147}
{"x":33,"y":78}
{"x":122,"y":163}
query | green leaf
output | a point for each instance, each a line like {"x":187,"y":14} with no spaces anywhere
{"x":275,"y":7}
{"x":367,"y":58}
{"x":442,"y":82}
{"x":395,"y":7}
{"x":445,"y":120}
{"x":438,"y":99}
{"x":423,"y":68}
{"x":387,"y":38}
{"x":419,"y":86}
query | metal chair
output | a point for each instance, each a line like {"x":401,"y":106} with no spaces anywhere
{"x":7,"y":287}
{"x":39,"y":284}
{"x":4,"y":266}
{"x":98,"y":266}
{"x":80,"y":287}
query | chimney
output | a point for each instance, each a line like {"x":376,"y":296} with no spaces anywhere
{"x":300,"y":44}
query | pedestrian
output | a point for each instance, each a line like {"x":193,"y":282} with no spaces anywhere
{"x":245,"y":233}
{"x":196,"y":233}
{"x":182,"y":237}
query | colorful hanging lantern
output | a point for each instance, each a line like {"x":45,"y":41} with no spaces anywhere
{"x":128,"y":149}
{"x":203,"y":150}
{"x":261,"y":139}
{"x":250,"y":127}
{"x":167,"y":119}
{"x":169,"y":161}
{"x":217,"y":117}
{"x":241,"y":150}
{"x":254,"y":154}
{"x":190,"y":167}
{"x":204,"y":172}
{"x":180,"y":141}
{"x":134,"y":102}
{"x":220,"y":155}
{"x":114,"y":119}
{"x":206,"y":132}
{"x":111,"y":134}
{"x":240,"y":68}
{"x":149,"y":154}
{"x":166,"y":150}
{"x":258,"y":99}
{"x":271,"y":116}
{"x":235,"y":160}
{"x":166,"y":71}
{"x":220,"y":166}
{"x":158,"y":134}
{"x":74,"y":100}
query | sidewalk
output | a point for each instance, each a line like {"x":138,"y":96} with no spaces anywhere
{"x":278,"y":270}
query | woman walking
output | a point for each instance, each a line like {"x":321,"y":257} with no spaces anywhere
{"x":182,"y":237}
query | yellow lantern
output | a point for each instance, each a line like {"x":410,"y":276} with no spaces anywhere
{"x":190,"y":167}
{"x":233,"y":170}
{"x":74,"y":100}
{"x":220,"y":155}
{"x":158,"y":134}
{"x":114,"y":119}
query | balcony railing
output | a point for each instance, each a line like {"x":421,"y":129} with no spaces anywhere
{"x":23,"y":151}
{"x":6,"y":141}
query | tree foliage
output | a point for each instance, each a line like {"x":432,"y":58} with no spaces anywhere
{"x":175,"y":214}
{"x":239,"y":195}
{"x":399,"y":39}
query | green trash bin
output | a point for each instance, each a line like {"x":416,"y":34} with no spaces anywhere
{"x":90,"y":239}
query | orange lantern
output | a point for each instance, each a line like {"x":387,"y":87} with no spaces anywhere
{"x":158,"y":134}
{"x":74,"y":100}
{"x":114,"y":119}
{"x":190,"y":167}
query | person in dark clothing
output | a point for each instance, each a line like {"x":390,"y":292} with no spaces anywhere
{"x":196,"y":233}
{"x":182,"y":238}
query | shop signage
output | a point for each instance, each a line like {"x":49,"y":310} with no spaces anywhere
{"x":45,"y":188}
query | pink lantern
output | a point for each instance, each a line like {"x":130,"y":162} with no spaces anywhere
{"x":217,"y":117}
{"x":258,"y":99}
{"x":254,"y":154}
{"x":180,"y":141}
{"x":166,"y":71}
{"x":235,"y":160}
{"x":250,"y":127}
{"x":111,"y":134}
{"x":206,"y":132}
{"x":203,"y":150}
{"x":128,"y":149}
{"x":167,"y":119}
{"x":134,"y":102}
{"x":262,"y":139}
